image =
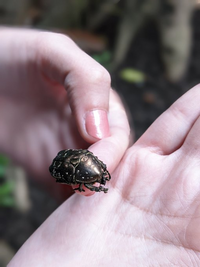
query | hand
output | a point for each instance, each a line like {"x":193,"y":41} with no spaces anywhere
{"x":36,"y":122}
{"x":150,"y":216}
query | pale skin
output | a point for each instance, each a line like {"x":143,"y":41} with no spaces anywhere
{"x":42,"y":76}
{"x":151,"y":214}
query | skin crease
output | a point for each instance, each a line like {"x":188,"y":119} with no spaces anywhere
{"x":151,"y":214}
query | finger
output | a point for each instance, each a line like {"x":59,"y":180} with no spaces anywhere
{"x":87,"y":82}
{"x":111,"y":149}
{"x":191,"y":144}
{"x":86,"y":191}
{"x":169,"y":131}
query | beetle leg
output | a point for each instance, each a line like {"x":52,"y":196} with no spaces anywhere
{"x":96,"y":189}
{"x":103,"y":181}
{"x":107,"y":176}
{"x":80,"y":188}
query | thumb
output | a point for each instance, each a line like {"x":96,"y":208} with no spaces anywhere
{"x":87,"y":82}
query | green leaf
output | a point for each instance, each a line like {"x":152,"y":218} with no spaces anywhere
{"x":132,"y":75}
{"x":6,"y":189}
{"x":103,"y":58}
{"x":7,"y":201}
{"x":4,"y":160}
{"x":2,"y":170}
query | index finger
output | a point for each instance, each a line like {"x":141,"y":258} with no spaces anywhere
{"x":110,"y":150}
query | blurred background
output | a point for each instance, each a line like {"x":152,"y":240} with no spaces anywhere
{"x":151,"y":49}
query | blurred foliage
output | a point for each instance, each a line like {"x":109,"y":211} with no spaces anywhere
{"x":103,"y":58}
{"x":61,"y":14}
{"x":4,"y":162}
{"x":132,"y":75}
{"x":6,"y":186}
{"x":6,"y":194}
{"x":119,"y":21}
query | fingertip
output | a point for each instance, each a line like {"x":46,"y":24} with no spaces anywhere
{"x":86,"y":192}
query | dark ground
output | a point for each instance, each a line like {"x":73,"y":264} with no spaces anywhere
{"x":145,"y":103}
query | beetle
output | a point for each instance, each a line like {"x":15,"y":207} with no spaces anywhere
{"x":80,"y":167}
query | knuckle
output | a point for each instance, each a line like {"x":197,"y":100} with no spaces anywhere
{"x":49,"y":42}
{"x":100,"y":75}
{"x":44,"y":39}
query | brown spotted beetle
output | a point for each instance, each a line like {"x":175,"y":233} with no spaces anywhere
{"x":80,"y":167}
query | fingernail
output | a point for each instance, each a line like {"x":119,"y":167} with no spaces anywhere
{"x":96,"y":123}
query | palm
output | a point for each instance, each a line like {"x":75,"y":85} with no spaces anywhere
{"x":142,"y":215}
{"x":146,"y":219}
{"x":159,"y":207}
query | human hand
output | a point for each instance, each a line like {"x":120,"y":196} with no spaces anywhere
{"x":44,"y":76}
{"x":151,"y":215}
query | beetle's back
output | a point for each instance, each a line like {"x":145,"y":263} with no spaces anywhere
{"x":88,"y":170}
{"x":61,"y":169}
{"x":76,"y":166}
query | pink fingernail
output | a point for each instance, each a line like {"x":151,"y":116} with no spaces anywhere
{"x":97,"y":123}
